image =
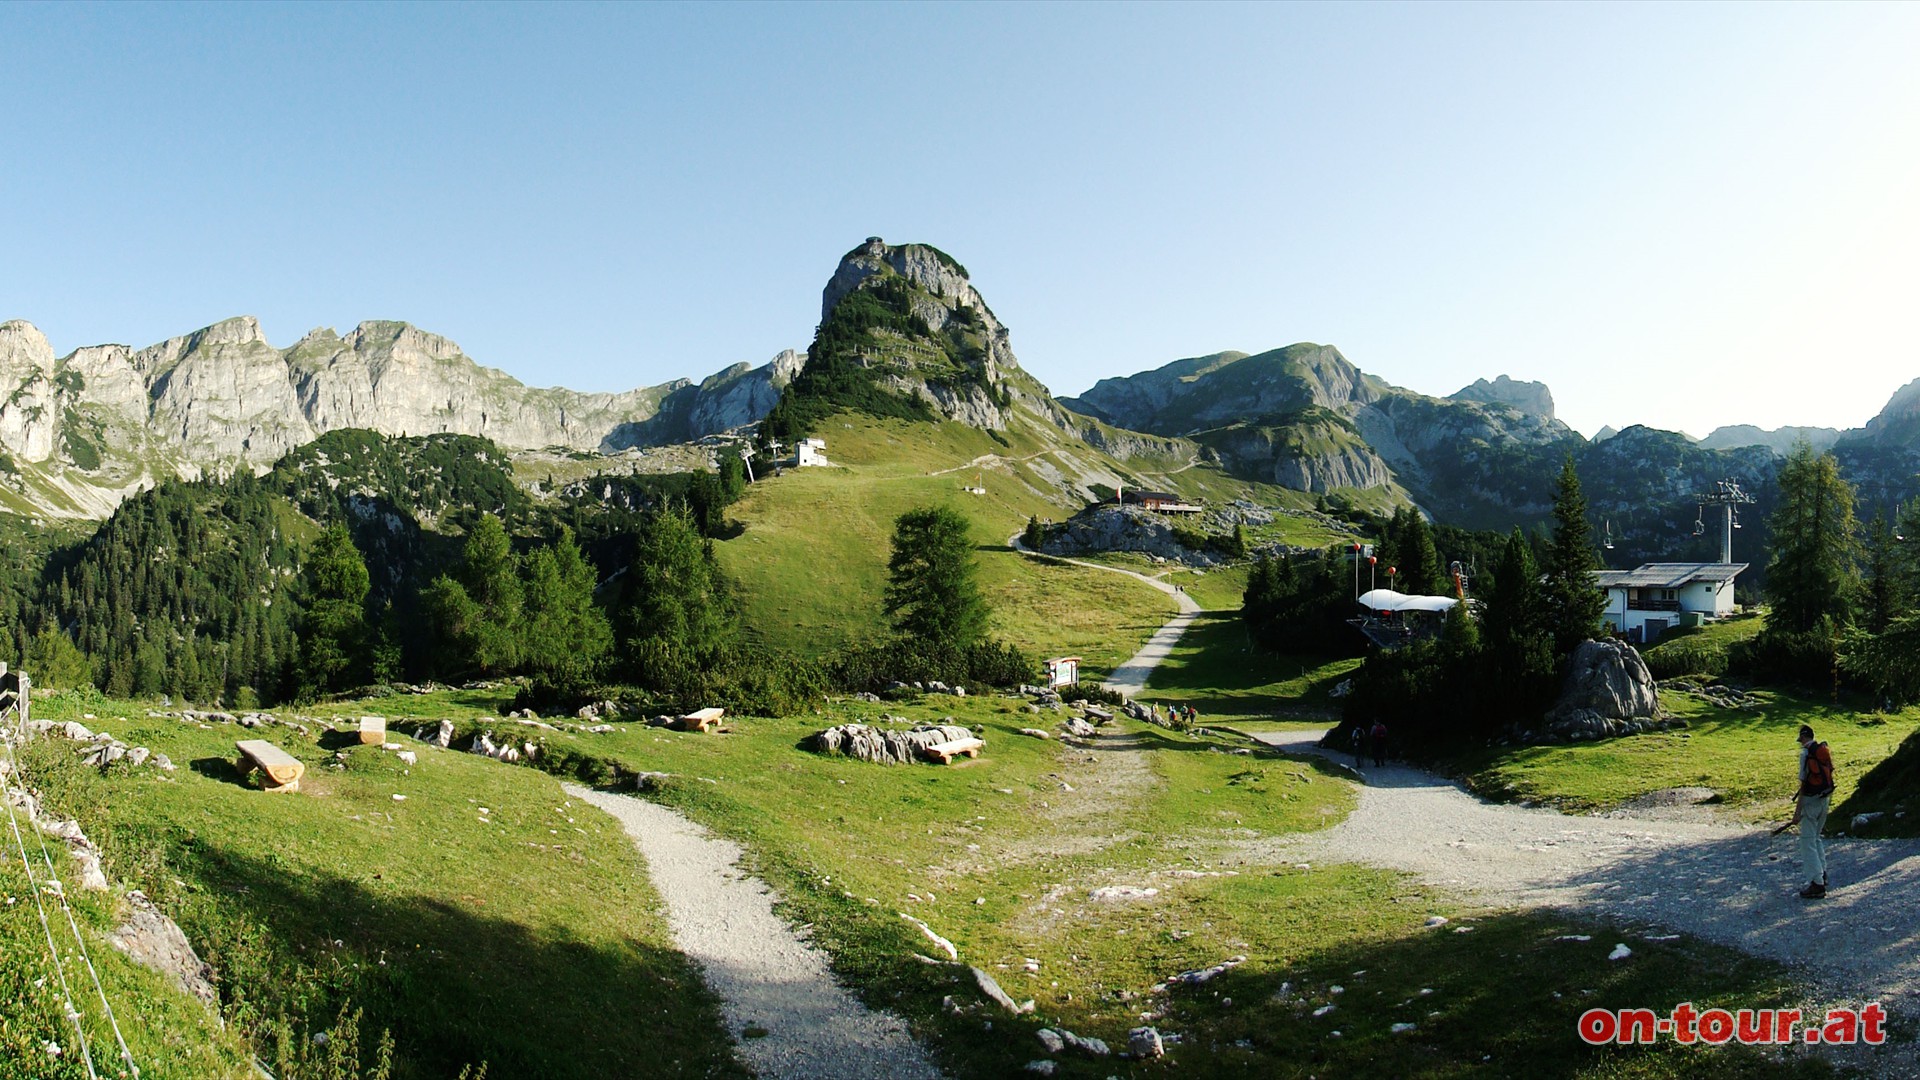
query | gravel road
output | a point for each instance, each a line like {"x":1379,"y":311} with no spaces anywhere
{"x":1720,"y":882}
{"x":1130,"y":678}
{"x":765,"y":975}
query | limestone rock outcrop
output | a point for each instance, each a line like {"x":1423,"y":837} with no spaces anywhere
{"x":1607,"y":691}
{"x":1107,"y":527}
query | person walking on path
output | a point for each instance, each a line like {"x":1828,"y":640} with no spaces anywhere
{"x":1359,"y":746}
{"x":1810,"y":811}
{"x":1379,"y":742}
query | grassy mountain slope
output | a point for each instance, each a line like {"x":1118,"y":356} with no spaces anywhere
{"x":824,"y":533}
{"x":435,"y":918}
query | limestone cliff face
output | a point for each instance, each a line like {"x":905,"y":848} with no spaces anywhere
{"x":108,"y":419}
{"x":28,"y":408}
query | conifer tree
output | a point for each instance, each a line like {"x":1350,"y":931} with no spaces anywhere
{"x":1570,"y":597}
{"x":676,"y":619}
{"x":333,"y":627}
{"x":1813,"y":576}
{"x":476,"y":615}
{"x":566,"y":634}
{"x":1515,"y":644}
{"x":931,"y":593}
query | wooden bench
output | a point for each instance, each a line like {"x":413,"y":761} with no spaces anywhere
{"x":945,"y":752}
{"x":373,"y":730}
{"x":699,"y":719}
{"x":1098,"y":715}
{"x":283,"y":769}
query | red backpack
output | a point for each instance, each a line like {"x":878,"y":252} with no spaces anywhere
{"x":1819,"y":771}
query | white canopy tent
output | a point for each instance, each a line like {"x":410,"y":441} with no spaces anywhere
{"x":1384,"y":600}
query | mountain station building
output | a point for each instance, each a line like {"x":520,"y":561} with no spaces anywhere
{"x":1642,"y":604}
{"x":1164,"y":502}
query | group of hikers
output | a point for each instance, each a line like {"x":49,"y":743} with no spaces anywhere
{"x":1376,"y":737}
{"x":1186,"y":714}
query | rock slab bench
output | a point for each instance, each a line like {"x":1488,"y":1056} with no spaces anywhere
{"x":281,"y":769}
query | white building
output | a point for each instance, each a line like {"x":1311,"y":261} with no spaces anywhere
{"x":811,"y":452}
{"x":1643,"y":603}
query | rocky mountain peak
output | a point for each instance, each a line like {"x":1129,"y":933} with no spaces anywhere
{"x":24,"y":351}
{"x":1531,"y":398}
{"x":1899,"y":422}
{"x":401,"y":339}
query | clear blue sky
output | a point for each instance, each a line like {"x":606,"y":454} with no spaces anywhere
{"x":1678,"y":215}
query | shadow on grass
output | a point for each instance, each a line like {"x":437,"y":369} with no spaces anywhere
{"x":221,"y":769}
{"x":1501,"y":1000}
{"x":454,"y":985}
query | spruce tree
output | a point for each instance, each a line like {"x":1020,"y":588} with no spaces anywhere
{"x":931,"y":593}
{"x":566,"y":634}
{"x":676,"y":617}
{"x":333,"y":626}
{"x":1571,"y":598}
{"x":1515,"y":645}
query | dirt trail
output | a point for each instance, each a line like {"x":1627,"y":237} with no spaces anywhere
{"x":1728,"y":884}
{"x":767,"y":978}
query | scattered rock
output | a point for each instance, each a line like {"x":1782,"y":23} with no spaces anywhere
{"x":1121,"y":893}
{"x":1144,"y":1043}
{"x":1088,"y":1046}
{"x":1620,"y":952}
{"x":1036,"y":733}
{"x":884,"y":746}
{"x":991,"y":987}
{"x":1042,"y":1067}
{"x":1051,"y":1039}
{"x":1208,"y":974}
{"x":155,"y":941}
{"x":939,"y":942}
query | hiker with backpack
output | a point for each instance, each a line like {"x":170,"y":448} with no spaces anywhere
{"x":1359,"y":745}
{"x":1810,"y":810}
{"x":1379,"y":742}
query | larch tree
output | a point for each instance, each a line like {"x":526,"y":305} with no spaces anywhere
{"x":1813,"y":574}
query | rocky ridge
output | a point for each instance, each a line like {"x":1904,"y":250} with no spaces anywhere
{"x":1306,"y":417}
{"x":83,"y":430}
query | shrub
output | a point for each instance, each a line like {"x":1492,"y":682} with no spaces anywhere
{"x":1807,"y":657}
{"x":987,"y":663}
{"x":1099,"y":695}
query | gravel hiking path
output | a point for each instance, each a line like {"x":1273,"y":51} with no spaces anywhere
{"x":1130,"y":678}
{"x":1724,"y":883}
{"x":766,"y":977}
